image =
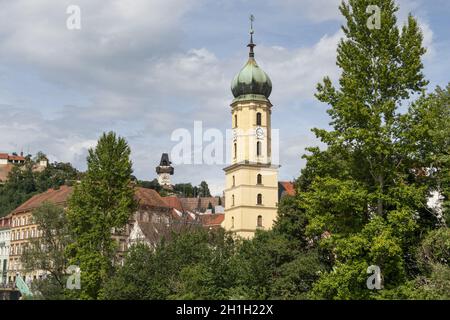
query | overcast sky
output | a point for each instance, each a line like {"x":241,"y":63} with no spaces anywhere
{"x":144,"y":68}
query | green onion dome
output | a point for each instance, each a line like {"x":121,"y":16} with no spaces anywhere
{"x":251,"y":80}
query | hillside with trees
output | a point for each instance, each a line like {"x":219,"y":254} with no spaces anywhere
{"x":24,"y":182}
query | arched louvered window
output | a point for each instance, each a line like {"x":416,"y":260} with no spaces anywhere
{"x":258,"y":119}
{"x":259,"y":198}
{"x":259,"y":221}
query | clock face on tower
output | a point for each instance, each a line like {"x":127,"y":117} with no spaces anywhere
{"x":259,"y":133}
{"x":165,"y":179}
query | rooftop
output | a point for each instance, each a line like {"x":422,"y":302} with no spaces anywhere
{"x":286,"y":188}
{"x":212,"y":220}
{"x":56,"y":196}
{"x":11,"y":157}
{"x":150,"y":198}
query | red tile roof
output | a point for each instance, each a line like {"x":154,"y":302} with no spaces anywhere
{"x":150,"y":198}
{"x":288,"y":187}
{"x":11,"y":157}
{"x":145,"y":197}
{"x":17,"y":158}
{"x":199,"y":204}
{"x":212,"y":220}
{"x":56,"y":196}
{"x":174,"y":202}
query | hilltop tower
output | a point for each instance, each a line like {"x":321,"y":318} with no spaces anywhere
{"x":164,"y":171}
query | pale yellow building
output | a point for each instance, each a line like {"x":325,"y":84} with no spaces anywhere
{"x":23,"y":229}
{"x":251,"y":192}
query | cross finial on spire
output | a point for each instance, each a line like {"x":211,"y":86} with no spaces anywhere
{"x":251,"y":45}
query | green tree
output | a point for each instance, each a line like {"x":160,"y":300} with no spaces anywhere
{"x":291,"y":220}
{"x":363,"y":201}
{"x":203,"y":190}
{"x":381,"y":68}
{"x":154,"y":184}
{"x":55,"y":175}
{"x":433,"y":282}
{"x":184,"y":189}
{"x":191,"y":265}
{"x":426,"y":131}
{"x":20,"y":187}
{"x":103,"y":201}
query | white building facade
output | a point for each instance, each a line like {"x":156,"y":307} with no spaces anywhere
{"x":5,"y":238}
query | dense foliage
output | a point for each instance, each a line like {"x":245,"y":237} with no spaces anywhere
{"x":179,"y":189}
{"x":212,"y":265}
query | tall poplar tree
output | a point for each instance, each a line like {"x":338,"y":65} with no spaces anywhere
{"x":102,"y":202}
{"x":381,"y":68}
{"x":365,"y":197}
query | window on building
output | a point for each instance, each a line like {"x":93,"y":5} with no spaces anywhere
{"x":232,"y":200}
{"x":259,"y":221}
{"x":232,"y":222}
{"x":235,"y":121}
{"x":258,"y":119}
{"x":258,"y":148}
{"x":234,"y":181}
{"x":259,"y":198}
{"x":235,"y":150}
{"x":259,"y":179}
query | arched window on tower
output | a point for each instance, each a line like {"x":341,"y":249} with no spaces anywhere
{"x":235,"y":121}
{"x":259,"y":222}
{"x":234,"y":181}
{"x":258,"y":148}
{"x":232,"y":222}
{"x":235,"y":150}
{"x":259,"y":199}
{"x":232,"y":200}
{"x":258,"y":119}
{"x":259,"y":179}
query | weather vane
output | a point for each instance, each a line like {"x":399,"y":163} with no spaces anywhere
{"x":251,"y":45}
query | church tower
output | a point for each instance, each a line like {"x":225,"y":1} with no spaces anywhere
{"x":251,"y":192}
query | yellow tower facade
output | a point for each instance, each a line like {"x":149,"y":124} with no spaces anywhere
{"x":251,"y":192}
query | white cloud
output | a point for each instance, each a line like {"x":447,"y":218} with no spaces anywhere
{"x":295,"y":73}
{"x":137,"y":77}
{"x":316,"y":11}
